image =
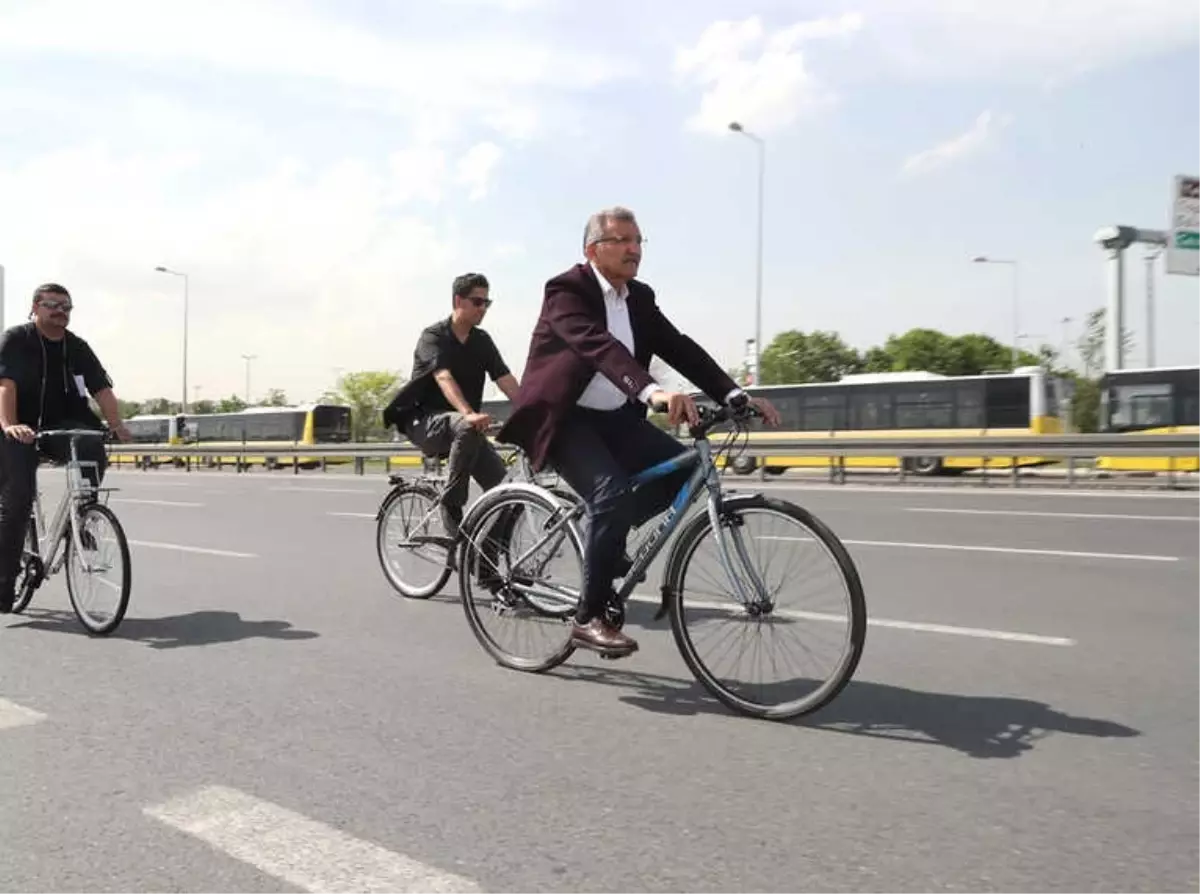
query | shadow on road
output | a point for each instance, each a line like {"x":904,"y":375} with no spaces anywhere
{"x":201,"y":628}
{"x":977,"y":726}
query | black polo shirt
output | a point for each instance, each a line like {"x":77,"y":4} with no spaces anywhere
{"x":439,"y":348}
{"x":53,"y":378}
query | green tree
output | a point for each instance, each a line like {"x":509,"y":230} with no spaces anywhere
{"x":876,"y":360}
{"x":366,"y":393}
{"x":795,"y":357}
{"x":1091,"y":343}
{"x":160,"y":406}
{"x":275,"y":397}
{"x":202,"y":407}
{"x":231,"y":404}
{"x":128,"y":408}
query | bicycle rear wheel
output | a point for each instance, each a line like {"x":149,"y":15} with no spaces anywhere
{"x":99,"y":600}
{"x":411,"y":542}
{"x":520,"y":607}
{"x":813,"y":557}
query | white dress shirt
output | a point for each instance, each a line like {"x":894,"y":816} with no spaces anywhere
{"x":601,"y":394}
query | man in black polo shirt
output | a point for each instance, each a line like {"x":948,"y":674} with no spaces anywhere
{"x":46,"y":374}
{"x":439,"y":407}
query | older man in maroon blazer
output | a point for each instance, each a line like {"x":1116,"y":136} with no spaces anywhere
{"x":581,"y":404}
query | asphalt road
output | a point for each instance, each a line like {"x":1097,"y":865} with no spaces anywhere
{"x":270,"y":716}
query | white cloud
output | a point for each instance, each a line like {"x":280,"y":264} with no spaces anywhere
{"x":476,"y":167}
{"x":272,"y":41}
{"x":757,"y":78}
{"x":1022,"y":40}
{"x":970,"y":142}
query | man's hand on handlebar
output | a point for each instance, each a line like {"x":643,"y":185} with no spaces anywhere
{"x":679,"y":407}
{"x":768,"y":412}
{"x":22,"y":433}
{"x":480,"y":421}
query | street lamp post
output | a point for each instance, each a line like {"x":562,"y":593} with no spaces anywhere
{"x":982,"y":259}
{"x":185,"y":328}
{"x":758,"y":270}
{"x":1152,"y":253}
{"x":248,"y":358}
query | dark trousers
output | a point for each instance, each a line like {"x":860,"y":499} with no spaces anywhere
{"x":597,"y":452}
{"x":470,"y":456}
{"x":18,"y":478}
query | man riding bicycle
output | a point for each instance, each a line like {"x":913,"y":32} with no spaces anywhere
{"x":438,"y":409}
{"x":582,"y":405}
{"x":46,"y":374}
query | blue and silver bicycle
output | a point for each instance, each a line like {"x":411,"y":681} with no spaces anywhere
{"x":728,"y":583}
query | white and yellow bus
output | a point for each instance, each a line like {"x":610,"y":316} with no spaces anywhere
{"x":918,"y":404}
{"x":251,"y":434}
{"x":1162,"y":400}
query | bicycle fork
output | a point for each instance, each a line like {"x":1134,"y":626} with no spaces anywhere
{"x":748,"y":586}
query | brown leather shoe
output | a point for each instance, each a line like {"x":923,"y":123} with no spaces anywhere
{"x":601,"y":637}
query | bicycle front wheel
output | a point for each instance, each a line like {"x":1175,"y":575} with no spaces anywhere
{"x":98,"y":577}
{"x":411,"y":542}
{"x":522,"y":573}
{"x":804,"y":591}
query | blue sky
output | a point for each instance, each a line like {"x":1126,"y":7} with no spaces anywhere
{"x":322,"y":171}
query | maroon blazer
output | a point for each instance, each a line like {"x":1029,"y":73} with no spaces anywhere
{"x":571,"y":343}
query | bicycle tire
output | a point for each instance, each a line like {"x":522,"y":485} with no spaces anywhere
{"x":514,"y":495}
{"x":126,"y":571}
{"x":685,"y":546}
{"x":403,"y":587}
{"x":24,"y":589}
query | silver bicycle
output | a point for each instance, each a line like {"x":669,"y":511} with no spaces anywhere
{"x":84,"y":535}
{"x":416,"y":555}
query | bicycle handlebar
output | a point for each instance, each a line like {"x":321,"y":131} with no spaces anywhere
{"x":709,"y":418}
{"x":72,"y":432}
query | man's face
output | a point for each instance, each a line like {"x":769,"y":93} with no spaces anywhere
{"x":619,"y":252}
{"x":53,"y":309}
{"x":473,"y":306}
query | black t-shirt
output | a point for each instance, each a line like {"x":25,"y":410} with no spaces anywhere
{"x":70,"y":370}
{"x":439,"y":348}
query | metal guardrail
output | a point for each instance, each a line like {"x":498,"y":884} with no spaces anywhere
{"x":1049,"y":446}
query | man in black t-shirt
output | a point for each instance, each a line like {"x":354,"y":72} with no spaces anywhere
{"x":439,"y":407}
{"x":46,"y":374}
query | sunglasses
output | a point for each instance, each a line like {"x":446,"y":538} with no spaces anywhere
{"x":62,"y":304}
{"x":481,"y":302}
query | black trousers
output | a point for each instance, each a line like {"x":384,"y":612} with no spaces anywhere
{"x":18,"y":478}
{"x":597,"y":452}
{"x":470,"y":456}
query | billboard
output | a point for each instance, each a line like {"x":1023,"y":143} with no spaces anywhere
{"x":1183,"y":235}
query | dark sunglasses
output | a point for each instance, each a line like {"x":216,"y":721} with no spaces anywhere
{"x":63,"y":304}
{"x":481,"y":302}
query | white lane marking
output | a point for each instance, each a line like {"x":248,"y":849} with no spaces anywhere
{"x":353,"y":514}
{"x":317,"y":489}
{"x":1101,"y":515}
{"x":917,"y":626}
{"x":966,"y":490}
{"x":203,"y":550}
{"x":180,"y":504}
{"x":12,"y":714}
{"x":1013,"y":550}
{"x":300,"y":851}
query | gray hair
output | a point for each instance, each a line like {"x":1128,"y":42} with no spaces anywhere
{"x":599,"y":222}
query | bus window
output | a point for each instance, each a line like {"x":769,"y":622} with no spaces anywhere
{"x":969,"y":397}
{"x":924,"y":408}
{"x":871,"y":410}
{"x":1007,"y":402}
{"x":1141,"y":406}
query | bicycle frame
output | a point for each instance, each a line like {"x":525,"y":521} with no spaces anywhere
{"x":66,"y":513}
{"x":704,"y":476}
